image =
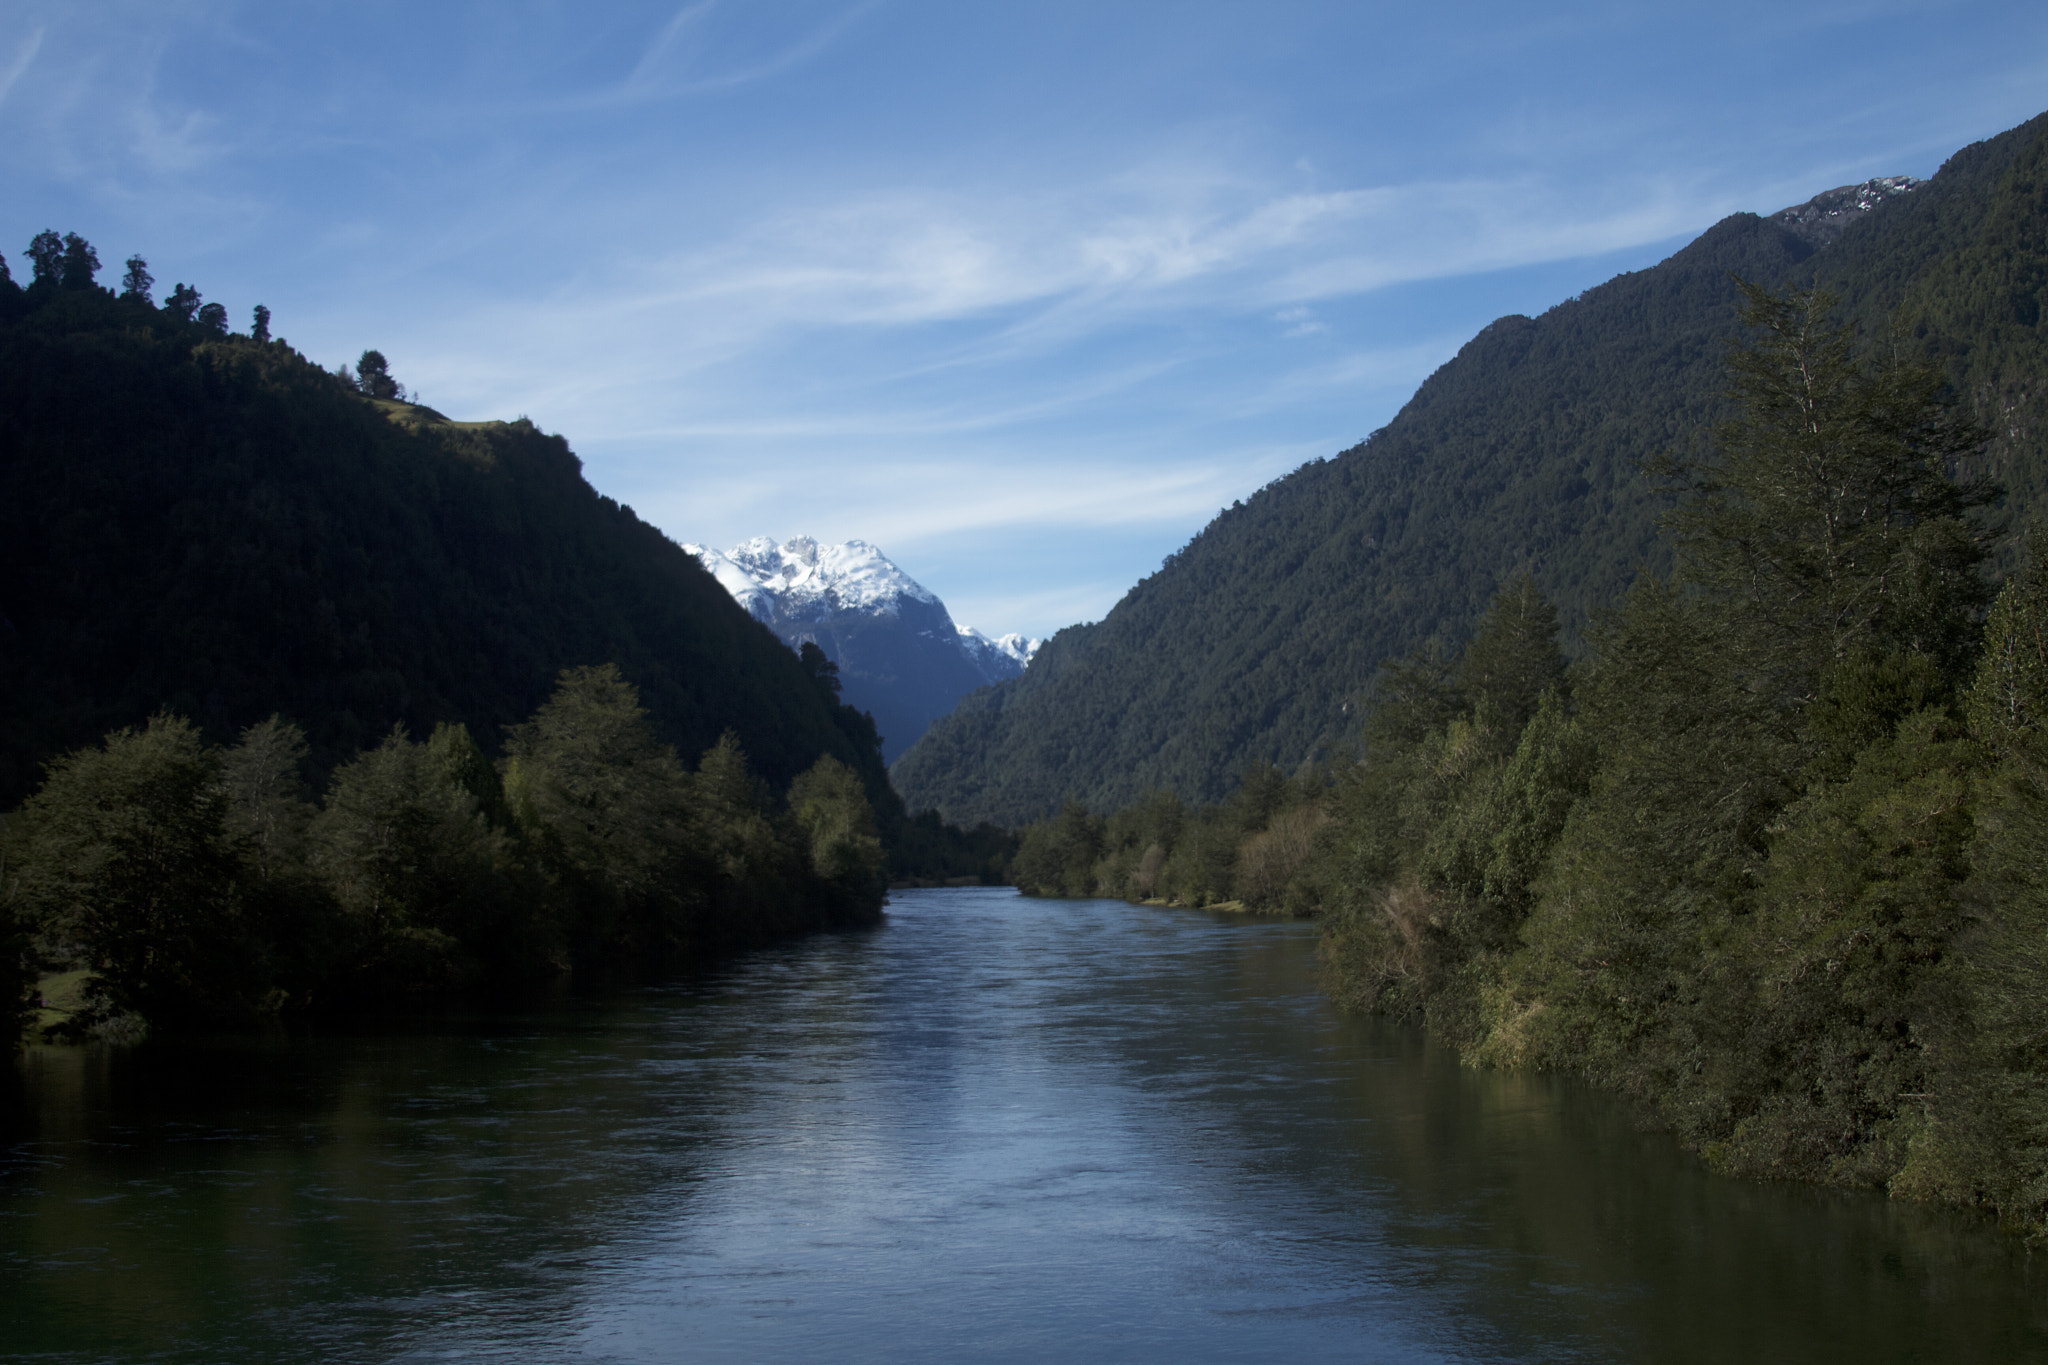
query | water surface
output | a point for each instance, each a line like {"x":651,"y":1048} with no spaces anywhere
{"x":995,"y":1129}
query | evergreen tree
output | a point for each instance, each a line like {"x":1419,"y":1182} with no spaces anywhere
{"x":259,"y":325}
{"x":137,"y":282}
{"x":214,"y":318}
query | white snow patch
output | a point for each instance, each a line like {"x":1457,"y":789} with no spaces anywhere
{"x":1013,"y":645}
{"x":801,"y":579}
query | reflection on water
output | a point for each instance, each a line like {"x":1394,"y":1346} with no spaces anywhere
{"x":993,"y":1129}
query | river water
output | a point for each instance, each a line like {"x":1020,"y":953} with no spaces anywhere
{"x":994,"y":1130}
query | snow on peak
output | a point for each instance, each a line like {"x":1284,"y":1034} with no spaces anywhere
{"x":801,"y":579}
{"x":1011,"y":646}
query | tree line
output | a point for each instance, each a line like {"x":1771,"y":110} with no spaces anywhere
{"x":1772,"y":857}
{"x":201,"y":886}
{"x":71,"y":262}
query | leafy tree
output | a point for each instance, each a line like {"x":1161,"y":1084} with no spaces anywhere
{"x":183,"y":302}
{"x":267,"y":806}
{"x":214,"y":318}
{"x":588,"y":777}
{"x":137,"y":282}
{"x":832,"y":809}
{"x":46,"y":257}
{"x":259,"y":326}
{"x":606,"y":806}
{"x":6,"y":275}
{"x":1057,"y":856}
{"x":373,"y":376}
{"x":418,"y":869}
{"x":126,"y":863}
{"x":80,"y":263}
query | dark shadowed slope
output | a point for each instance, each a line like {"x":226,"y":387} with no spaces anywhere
{"x":211,"y":525}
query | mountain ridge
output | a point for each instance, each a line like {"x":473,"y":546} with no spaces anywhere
{"x":1254,"y":641}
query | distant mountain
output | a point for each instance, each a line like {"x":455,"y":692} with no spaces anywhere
{"x":1255,"y":640}
{"x":900,"y":657}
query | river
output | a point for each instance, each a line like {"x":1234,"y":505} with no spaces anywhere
{"x":995,"y":1129}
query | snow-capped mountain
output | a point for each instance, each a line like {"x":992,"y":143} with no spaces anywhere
{"x":900,"y":656}
{"x":803,"y":580}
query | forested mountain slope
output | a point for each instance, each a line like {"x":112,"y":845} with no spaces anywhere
{"x":1254,"y":641}
{"x":209,"y":524}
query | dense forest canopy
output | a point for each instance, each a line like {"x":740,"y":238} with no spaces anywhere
{"x":1256,"y":642}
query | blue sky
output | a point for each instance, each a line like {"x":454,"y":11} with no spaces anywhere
{"x":1021,"y":293}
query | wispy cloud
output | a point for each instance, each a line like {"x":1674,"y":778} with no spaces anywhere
{"x":693,"y":54}
{"x":1034,"y":277}
{"x":24,"y":54}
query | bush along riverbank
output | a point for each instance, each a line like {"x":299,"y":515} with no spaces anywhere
{"x":159,"y":883}
{"x":1773,"y":857}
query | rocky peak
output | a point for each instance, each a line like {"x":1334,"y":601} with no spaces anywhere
{"x":1821,"y":219}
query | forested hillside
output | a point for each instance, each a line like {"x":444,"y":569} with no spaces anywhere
{"x":1258,"y":639}
{"x":1768,"y":858}
{"x":207,"y":524}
